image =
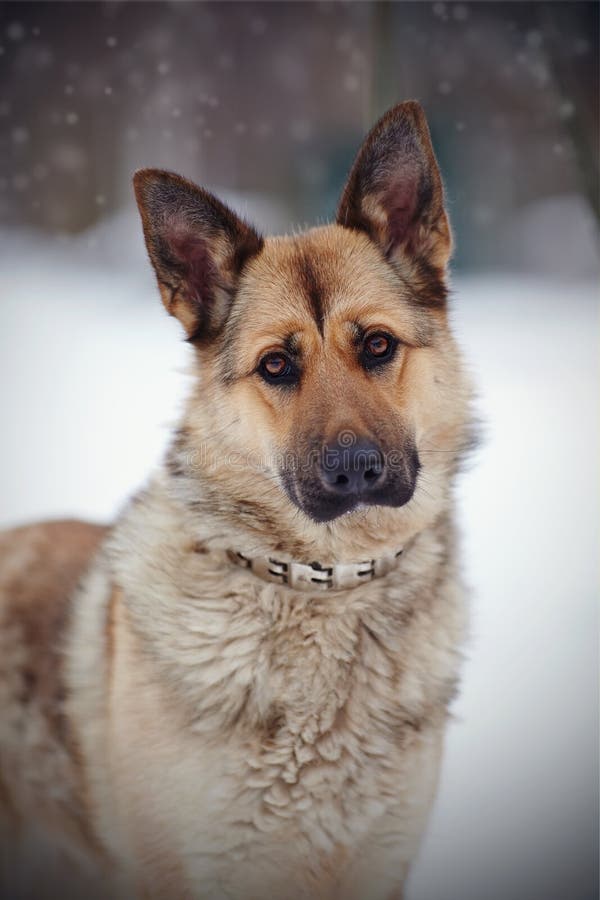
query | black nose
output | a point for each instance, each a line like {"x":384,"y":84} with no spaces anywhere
{"x":352,"y":466}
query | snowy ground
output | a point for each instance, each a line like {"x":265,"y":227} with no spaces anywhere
{"x":90,"y":384}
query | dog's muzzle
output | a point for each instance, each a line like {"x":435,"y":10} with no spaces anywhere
{"x":315,"y":576}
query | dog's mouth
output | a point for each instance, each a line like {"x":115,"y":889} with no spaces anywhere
{"x":326,"y":497}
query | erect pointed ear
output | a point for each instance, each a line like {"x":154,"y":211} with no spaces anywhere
{"x":197,"y":246}
{"x":394,"y":191}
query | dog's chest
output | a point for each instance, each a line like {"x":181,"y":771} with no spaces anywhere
{"x":265,"y":719}
{"x":318,"y":724}
{"x":278,"y":712}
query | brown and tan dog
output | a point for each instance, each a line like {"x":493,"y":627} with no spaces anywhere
{"x":240,"y":690}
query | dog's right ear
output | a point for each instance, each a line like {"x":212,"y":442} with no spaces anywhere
{"x":198,"y":248}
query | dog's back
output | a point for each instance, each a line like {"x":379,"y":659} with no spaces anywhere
{"x":43,"y":823}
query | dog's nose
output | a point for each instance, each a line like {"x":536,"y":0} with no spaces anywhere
{"x":352,"y":466}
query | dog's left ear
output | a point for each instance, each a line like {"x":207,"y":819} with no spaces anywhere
{"x":197,"y":246}
{"x":395,"y":194}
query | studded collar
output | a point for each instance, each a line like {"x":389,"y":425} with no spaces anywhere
{"x":316,"y":576}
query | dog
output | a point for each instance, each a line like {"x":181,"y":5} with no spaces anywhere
{"x":240,"y":689}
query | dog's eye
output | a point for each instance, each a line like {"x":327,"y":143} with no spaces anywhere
{"x":377,"y":345}
{"x":276,"y":368}
{"x":378,"y":348}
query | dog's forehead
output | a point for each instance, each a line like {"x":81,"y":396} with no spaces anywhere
{"x":324,"y":271}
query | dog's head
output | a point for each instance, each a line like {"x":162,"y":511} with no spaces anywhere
{"x":327,"y":376}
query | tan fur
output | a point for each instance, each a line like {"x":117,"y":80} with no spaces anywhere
{"x":41,"y":783}
{"x":225,"y":737}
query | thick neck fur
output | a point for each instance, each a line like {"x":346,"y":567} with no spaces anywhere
{"x":288,"y":667}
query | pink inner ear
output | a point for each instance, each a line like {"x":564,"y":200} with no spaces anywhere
{"x":400,"y":203}
{"x":198,"y":268}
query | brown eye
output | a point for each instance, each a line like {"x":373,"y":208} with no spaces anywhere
{"x":377,"y":349}
{"x":276,"y":368}
{"x":377,"y":345}
{"x":275,"y":365}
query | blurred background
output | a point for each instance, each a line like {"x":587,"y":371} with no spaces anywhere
{"x":266,"y":104}
{"x":271,"y":99}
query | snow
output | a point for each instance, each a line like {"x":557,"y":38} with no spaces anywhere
{"x":517,"y":811}
{"x":91,"y":374}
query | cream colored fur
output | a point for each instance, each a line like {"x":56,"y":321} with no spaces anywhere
{"x":239,"y":740}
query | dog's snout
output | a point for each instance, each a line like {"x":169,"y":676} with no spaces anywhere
{"x":355,"y":467}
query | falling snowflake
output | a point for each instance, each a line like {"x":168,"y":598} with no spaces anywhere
{"x":20,"y":135}
{"x":566,"y":109}
{"x":534,"y":39}
{"x":300,"y":130}
{"x":258,"y":26}
{"x":15,"y":31}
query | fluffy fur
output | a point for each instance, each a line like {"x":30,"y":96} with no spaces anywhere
{"x":172,"y":726}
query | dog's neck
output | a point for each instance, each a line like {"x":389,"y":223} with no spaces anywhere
{"x":199,"y":554}
{"x":197,"y":610}
{"x":316,"y":576}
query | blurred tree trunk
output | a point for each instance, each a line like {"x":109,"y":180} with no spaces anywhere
{"x":556,"y":22}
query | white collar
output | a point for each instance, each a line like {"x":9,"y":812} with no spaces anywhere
{"x":316,"y":576}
